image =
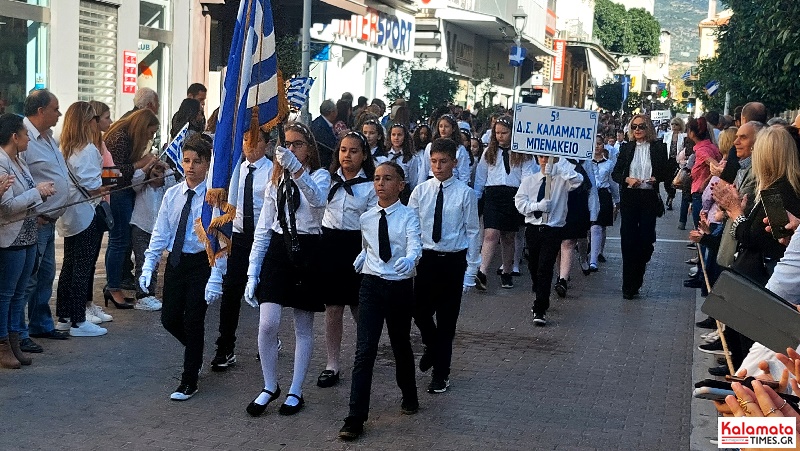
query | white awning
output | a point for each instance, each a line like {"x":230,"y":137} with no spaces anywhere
{"x":598,"y":69}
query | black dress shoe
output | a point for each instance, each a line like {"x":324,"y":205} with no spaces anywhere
{"x":719,"y":371}
{"x":28,"y":345}
{"x":708,"y":323}
{"x":426,"y":361}
{"x":693,"y":283}
{"x":352,"y":429}
{"x":409,"y":406}
{"x":328,"y":378}
{"x":255,"y":409}
{"x":287,"y":410}
{"x":52,"y":335}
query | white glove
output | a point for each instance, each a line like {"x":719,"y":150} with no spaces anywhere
{"x":250,"y":291}
{"x":543,"y":206}
{"x":144,"y":280}
{"x":287,"y":159}
{"x":213,"y":292}
{"x":358,"y":265}
{"x":404,"y":266}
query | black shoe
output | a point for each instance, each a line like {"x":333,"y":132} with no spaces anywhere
{"x":601,"y":258}
{"x":513,"y":273}
{"x":222,"y":361}
{"x":438,"y":385}
{"x":328,"y":378}
{"x":708,"y":323}
{"x":693,"y":261}
{"x":352,"y":429}
{"x":426,"y":361}
{"x":255,"y":409}
{"x":561,"y":288}
{"x":719,"y":371}
{"x":691,"y":246}
{"x":287,"y":410}
{"x":480,"y":281}
{"x":184,"y":392}
{"x":629,"y":294}
{"x":693,"y":283}
{"x":30,"y":346}
{"x":506,"y":281}
{"x":409,"y":406}
{"x":715,"y":347}
{"x":52,"y":335}
{"x":539,"y":319}
{"x":721,"y":361}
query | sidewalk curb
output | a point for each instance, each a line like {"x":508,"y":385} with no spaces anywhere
{"x":704,"y":415}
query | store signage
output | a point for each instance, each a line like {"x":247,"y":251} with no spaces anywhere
{"x":560,"y":46}
{"x":386,"y":31}
{"x":550,"y":23}
{"x":131,"y":72}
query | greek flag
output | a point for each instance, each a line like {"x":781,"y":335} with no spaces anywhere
{"x":174,"y":150}
{"x":299,"y":88}
{"x":686,"y":75}
{"x":712,"y":87}
{"x":251,"y":82}
{"x":517,"y":55}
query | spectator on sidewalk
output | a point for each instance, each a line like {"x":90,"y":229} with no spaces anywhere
{"x":144,"y":99}
{"x":322,"y":127}
{"x":197,"y":91}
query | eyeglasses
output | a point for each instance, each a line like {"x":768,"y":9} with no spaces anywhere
{"x":295,"y":144}
{"x":638,"y":126}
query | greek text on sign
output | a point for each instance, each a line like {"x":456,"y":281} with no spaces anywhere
{"x":660,"y":115}
{"x":556,"y":131}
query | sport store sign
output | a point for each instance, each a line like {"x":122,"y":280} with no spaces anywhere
{"x":378,"y":32}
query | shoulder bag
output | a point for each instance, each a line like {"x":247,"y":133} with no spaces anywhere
{"x":102,"y":210}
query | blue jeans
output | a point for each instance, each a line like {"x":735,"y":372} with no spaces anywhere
{"x":686,"y":200}
{"x":119,"y":238}
{"x":697,"y":206}
{"x":40,"y":285}
{"x":16,"y":266}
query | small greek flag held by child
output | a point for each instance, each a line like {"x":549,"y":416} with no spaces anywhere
{"x":299,"y":88}
{"x":174,"y":150}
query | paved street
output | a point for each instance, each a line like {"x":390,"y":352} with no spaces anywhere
{"x":604,"y":374}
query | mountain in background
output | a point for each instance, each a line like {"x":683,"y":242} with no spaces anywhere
{"x":680,"y":17}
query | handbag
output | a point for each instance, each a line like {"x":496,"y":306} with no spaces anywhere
{"x":677,"y":179}
{"x":102,"y":210}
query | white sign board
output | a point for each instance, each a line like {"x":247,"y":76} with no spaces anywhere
{"x":556,"y":131}
{"x":660,"y":115}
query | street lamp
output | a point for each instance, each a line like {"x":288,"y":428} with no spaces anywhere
{"x":626,"y":64}
{"x":520,"y":18}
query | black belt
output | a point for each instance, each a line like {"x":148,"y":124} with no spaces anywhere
{"x":433,"y":253}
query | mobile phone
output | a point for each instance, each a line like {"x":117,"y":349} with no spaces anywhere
{"x":747,"y":381}
{"x":776,"y":213}
{"x":714,"y":394}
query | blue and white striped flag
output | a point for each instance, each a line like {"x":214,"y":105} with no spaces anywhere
{"x":174,"y":150}
{"x":299,"y":88}
{"x":686,"y":75}
{"x":712,"y":87}
{"x":251,"y":80}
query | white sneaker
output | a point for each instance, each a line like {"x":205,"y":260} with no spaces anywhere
{"x":149,"y":304}
{"x":97,"y":311}
{"x":711,"y":336}
{"x":65,"y":326}
{"x":87,"y":329}
{"x":92,"y":318}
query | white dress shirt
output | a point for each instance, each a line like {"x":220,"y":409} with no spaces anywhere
{"x":148,"y":199}
{"x":461,"y":227}
{"x":495,"y":174}
{"x":410,"y":168}
{"x":261,"y":176}
{"x":86,"y":165}
{"x":461,"y":170}
{"x":344,"y":211}
{"x":641,"y":166}
{"x":169,"y":217}
{"x":47,"y":164}
{"x":404,"y":240}
{"x":563,"y":178}
{"x":313,"y":190}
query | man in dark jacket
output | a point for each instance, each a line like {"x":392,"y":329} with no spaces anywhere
{"x":322,"y":127}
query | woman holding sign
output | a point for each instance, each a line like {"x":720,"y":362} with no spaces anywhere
{"x":641,"y":167}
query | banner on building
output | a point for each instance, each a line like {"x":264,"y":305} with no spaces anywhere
{"x":554,"y":131}
{"x":560,"y":46}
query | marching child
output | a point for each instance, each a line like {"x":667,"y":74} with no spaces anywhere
{"x":448,"y":215}
{"x":400,"y":149}
{"x":545,"y":219}
{"x":376,"y":136}
{"x":184,"y":308}
{"x":446,"y":127}
{"x":604,"y":204}
{"x":391,"y":248}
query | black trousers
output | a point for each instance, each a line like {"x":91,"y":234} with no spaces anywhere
{"x":637,"y":238}
{"x":543,"y":244}
{"x":437,"y":291}
{"x":380,"y":300}
{"x":232,"y":291}
{"x":184,"y":309}
{"x":76,"y":282}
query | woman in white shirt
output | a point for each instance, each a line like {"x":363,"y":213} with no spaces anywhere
{"x":284,"y":268}
{"x":674,"y":141}
{"x":79,"y":225}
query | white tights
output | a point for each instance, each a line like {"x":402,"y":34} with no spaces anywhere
{"x":598,"y":242}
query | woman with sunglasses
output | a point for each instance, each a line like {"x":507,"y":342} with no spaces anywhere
{"x":284,"y":262}
{"x":641,"y":166}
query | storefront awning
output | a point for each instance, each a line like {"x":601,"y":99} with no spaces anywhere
{"x":354,"y":6}
{"x":600,"y":63}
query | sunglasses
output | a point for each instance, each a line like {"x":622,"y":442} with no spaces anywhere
{"x":638,"y":127}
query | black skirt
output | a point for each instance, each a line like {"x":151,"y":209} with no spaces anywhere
{"x":499,"y":211}
{"x":290,"y":283}
{"x":578,"y":216}
{"x":339,"y":250}
{"x":605,"y":217}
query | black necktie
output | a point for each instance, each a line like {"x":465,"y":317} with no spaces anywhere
{"x":249,"y":214}
{"x":506,"y":163}
{"x":180,"y":234}
{"x":437,"y":215}
{"x":540,"y":196}
{"x":384,"y":247}
{"x":347,"y":185}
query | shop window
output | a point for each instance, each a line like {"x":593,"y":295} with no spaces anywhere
{"x":23,"y":59}
{"x":97,"y":53}
{"x":154,"y":14}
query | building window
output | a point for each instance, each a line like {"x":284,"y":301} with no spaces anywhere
{"x":23,"y":57}
{"x":154,"y":14}
{"x":97,"y":53}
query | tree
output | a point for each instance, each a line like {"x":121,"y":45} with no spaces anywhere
{"x":634,"y":31}
{"x":608,"y":96}
{"x":423,"y":89}
{"x":645,"y":30}
{"x":289,"y":56}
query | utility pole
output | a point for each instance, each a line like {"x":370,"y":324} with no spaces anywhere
{"x":305,"y":117}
